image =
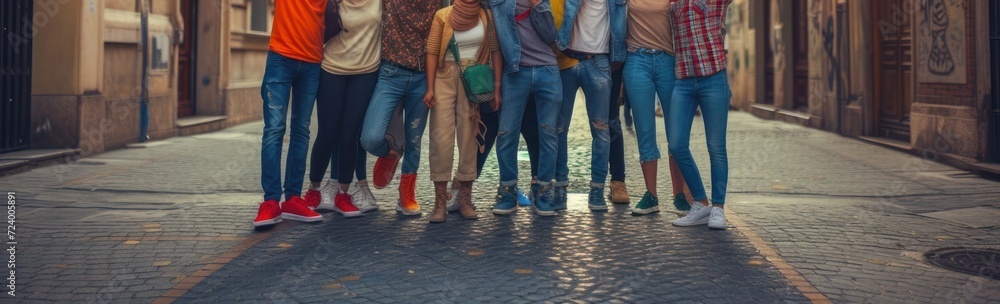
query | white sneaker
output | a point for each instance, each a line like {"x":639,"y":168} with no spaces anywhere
{"x":717,"y":220}
{"x":326,"y":195}
{"x":453,"y":201}
{"x":697,"y":216}
{"x":364,"y":199}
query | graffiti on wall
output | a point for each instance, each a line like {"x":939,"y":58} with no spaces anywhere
{"x":941,"y":42}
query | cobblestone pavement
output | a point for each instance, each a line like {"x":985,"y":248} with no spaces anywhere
{"x":815,"y":216}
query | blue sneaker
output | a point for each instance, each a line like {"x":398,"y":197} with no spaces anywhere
{"x":559,"y":197}
{"x":522,"y":200}
{"x":506,"y":201}
{"x":543,"y":203}
{"x":596,"y":199}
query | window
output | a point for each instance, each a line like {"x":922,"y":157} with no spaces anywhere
{"x":258,"y":15}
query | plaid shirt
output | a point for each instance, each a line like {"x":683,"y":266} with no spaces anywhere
{"x":698,"y":40}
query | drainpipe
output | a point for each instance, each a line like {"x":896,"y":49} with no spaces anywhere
{"x":144,"y":102}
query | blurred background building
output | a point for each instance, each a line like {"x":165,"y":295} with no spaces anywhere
{"x":918,"y":75}
{"x":74,"y":72}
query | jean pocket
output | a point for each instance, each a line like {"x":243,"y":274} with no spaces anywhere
{"x":387,"y":70}
{"x":602,"y":64}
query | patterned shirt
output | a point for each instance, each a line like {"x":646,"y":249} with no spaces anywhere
{"x":405,"y":24}
{"x":700,"y":30}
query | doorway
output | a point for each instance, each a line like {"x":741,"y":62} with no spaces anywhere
{"x":186,"y":61}
{"x":800,"y":56}
{"x":995,"y":79}
{"x":893,"y":71}
{"x":15,"y":74}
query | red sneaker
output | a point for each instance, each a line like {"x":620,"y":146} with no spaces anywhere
{"x":312,"y":199}
{"x":344,"y":205}
{"x":384,"y":170}
{"x":295,"y":208}
{"x":268,"y":214}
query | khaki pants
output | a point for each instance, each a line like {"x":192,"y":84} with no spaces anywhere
{"x":452,"y":118}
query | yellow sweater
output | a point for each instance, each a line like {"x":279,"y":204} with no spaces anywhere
{"x":437,"y":43}
{"x":558,"y":7}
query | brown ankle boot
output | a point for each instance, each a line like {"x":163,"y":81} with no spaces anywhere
{"x":440,"y":213}
{"x":465,"y":202}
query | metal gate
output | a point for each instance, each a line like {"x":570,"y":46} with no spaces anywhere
{"x":995,"y":78}
{"x":15,"y":73}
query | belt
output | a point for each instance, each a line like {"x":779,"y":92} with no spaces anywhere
{"x":650,"y":51}
{"x":582,"y":56}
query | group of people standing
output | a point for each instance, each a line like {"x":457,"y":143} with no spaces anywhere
{"x":391,"y":65}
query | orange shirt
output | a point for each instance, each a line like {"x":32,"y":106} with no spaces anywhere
{"x":297,"y":31}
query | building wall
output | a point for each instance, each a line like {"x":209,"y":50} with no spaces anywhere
{"x":87,"y":70}
{"x":950,"y":104}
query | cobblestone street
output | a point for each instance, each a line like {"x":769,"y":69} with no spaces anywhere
{"x":815,"y":217}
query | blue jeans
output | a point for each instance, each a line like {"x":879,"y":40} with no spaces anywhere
{"x":397,"y":83}
{"x":284,"y":76}
{"x":542,"y":83}
{"x":713,"y":95}
{"x":594,"y":76}
{"x":648,"y":74}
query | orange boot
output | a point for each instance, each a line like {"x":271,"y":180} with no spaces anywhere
{"x":407,"y":201}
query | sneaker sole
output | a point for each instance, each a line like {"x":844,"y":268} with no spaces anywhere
{"x":545,"y":213}
{"x":349,"y":214}
{"x":698,"y":223}
{"x":266,"y":223}
{"x":324,"y":207}
{"x":305,"y":219}
{"x":654,"y":209}
{"x":504,"y":211}
{"x":622,"y":202}
{"x":724,"y":227}
{"x":368,"y":209}
{"x":406,"y":213}
{"x":598,"y":207}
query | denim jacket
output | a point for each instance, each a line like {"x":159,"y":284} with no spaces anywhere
{"x":510,"y":43}
{"x":618,"y":21}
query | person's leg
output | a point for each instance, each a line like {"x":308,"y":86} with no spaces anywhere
{"x":415,"y":120}
{"x":329,"y":109}
{"x":548,"y":91}
{"x":303,"y":99}
{"x":491,"y":121}
{"x":714,"y":100}
{"x":569,"y":80}
{"x":466,"y":116}
{"x":616,"y":157}
{"x":361,"y":164}
{"x":681,"y":108}
{"x":640,"y":88}
{"x":529,"y":131}
{"x":516,"y":88}
{"x":279,"y":74}
{"x":388,"y":92}
{"x":442,"y":124}
{"x":595,"y":79}
{"x":359,"y":89}
{"x":627,"y":112}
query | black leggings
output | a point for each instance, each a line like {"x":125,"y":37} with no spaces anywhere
{"x":617,"y":157}
{"x":529,"y":131}
{"x":341,"y":103}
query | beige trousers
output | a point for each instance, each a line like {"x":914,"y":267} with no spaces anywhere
{"x":452,"y":118}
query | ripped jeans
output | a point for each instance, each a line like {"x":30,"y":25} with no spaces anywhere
{"x":286,"y":82}
{"x":542,"y":83}
{"x":594,"y":76}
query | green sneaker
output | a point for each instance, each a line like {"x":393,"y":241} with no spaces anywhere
{"x":647,"y":205}
{"x":681,"y":202}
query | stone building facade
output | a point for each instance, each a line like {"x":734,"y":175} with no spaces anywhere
{"x":917,"y":75}
{"x":205,"y":63}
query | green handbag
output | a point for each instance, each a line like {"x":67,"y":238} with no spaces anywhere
{"x":477,"y":79}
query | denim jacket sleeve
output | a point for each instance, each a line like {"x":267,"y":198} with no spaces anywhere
{"x":542,"y":21}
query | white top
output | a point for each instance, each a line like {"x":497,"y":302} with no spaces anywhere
{"x":468,"y":42}
{"x":592,"y":31}
{"x":357,"y":50}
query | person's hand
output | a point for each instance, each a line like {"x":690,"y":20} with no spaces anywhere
{"x":534,"y":2}
{"x":495,"y":104}
{"x":429,"y":99}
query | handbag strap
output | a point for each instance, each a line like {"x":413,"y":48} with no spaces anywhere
{"x":454,"y":52}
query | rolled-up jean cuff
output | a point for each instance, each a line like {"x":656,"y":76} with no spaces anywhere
{"x":446,"y":177}
{"x":544,"y":184}
{"x":596,"y":185}
{"x":465,"y":177}
{"x":651,"y":159}
{"x":509,"y":183}
{"x":559,"y":184}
